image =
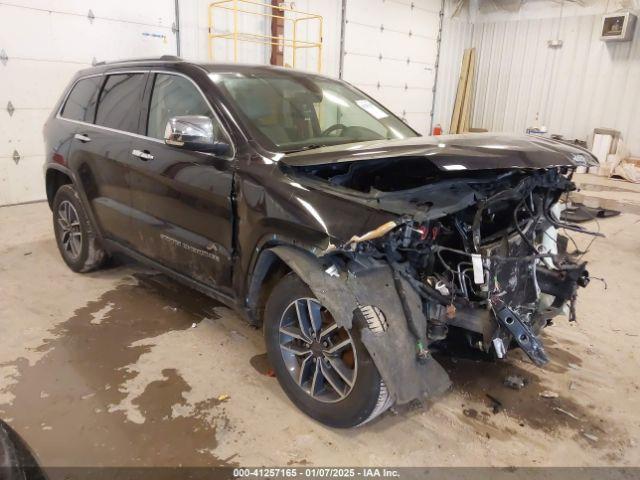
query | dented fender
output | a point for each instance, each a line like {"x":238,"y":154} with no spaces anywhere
{"x":371,"y":283}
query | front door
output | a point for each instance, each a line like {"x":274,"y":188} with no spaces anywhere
{"x":182,"y":211}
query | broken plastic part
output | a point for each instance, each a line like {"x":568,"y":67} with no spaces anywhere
{"x":442,"y":288}
{"x":478,"y":273}
{"x":332,"y":271}
{"x":373,"y":234}
{"x":498,"y":346}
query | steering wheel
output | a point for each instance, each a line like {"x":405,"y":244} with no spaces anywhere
{"x":332,"y":128}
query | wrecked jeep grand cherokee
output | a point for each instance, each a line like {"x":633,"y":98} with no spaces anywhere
{"x":312,"y":210}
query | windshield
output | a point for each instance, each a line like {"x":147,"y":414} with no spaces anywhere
{"x":290,"y":112}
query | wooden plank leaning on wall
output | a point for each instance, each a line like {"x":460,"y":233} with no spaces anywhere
{"x":462,"y":106}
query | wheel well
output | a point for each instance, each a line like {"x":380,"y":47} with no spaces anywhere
{"x":267,"y":273}
{"x":54,"y":180}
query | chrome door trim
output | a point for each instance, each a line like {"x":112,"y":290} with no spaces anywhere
{"x":141,"y":155}
{"x":82,"y":138}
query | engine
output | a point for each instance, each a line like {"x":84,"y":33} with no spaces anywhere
{"x":494,"y":269}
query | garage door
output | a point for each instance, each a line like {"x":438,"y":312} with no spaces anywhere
{"x":42,"y":44}
{"x":390,"y":53}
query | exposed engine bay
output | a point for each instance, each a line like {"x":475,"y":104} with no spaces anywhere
{"x":481,"y":249}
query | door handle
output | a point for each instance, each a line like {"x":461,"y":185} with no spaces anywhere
{"x":142,"y":155}
{"x":83,"y":138}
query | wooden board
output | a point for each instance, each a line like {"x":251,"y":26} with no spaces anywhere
{"x":462,"y":106}
{"x":468,"y":93}
{"x":462,"y":81}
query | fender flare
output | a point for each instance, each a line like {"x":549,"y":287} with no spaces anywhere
{"x":78,"y":186}
{"x":368,"y":282}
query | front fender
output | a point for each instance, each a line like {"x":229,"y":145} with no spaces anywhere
{"x":371,"y":283}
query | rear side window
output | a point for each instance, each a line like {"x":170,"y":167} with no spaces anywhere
{"x":120,"y":101}
{"x":175,"y":96}
{"x":81,"y":102}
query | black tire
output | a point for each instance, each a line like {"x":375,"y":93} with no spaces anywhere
{"x":368,"y":396}
{"x":89,"y":255}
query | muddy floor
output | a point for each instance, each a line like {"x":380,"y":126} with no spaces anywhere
{"x":126,"y":367}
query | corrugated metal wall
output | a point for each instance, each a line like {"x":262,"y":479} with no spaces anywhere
{"x":456,"y":36}
{"x":583,"y":85}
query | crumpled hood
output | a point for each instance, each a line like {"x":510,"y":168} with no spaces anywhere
{"x":480,"y":151}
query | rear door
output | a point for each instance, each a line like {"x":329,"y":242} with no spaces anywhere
{"x":100,"y":152}
{"x":182,"y":199}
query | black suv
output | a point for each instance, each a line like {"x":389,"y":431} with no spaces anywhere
{"x":311,"y":209}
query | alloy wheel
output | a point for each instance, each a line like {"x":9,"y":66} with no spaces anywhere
{"x":319,"y":355}
{"x":70,"y":231}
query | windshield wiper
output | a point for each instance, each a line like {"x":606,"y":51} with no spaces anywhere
{"x":313,"y":146}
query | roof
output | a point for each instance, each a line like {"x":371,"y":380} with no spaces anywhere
{"x":209,"y":67}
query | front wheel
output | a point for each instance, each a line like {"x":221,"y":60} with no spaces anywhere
{"x":324,"y":369}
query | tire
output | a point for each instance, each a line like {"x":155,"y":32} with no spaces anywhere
{"x":82,"y":253}
{"x":366,"y":397}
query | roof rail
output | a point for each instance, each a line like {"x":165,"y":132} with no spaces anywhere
{"x":168,"y":58}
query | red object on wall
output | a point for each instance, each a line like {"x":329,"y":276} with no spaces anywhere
{"x":437,"y":130}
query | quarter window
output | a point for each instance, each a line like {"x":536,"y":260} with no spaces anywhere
{"x":119,"y":102}
{"x":81,"y":102}
{"x":174,"y":96}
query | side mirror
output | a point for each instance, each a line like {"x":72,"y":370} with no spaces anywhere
{"x":193,"y":132}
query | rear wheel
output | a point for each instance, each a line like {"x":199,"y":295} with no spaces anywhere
{"x":323,"y":368}
{"x":75,"y":237}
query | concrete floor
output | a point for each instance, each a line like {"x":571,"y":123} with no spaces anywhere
{"x":108,"y":369}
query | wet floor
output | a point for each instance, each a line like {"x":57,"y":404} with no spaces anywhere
{"x":65,"y":402}
{"x":69,"y":399}
{"x":534,"y":406}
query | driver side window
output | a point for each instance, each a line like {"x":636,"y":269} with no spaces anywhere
{"x":173,"y":96}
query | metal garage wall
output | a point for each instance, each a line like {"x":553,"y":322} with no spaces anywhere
{"x":456,"y":36}
{"x":585,"y":84}
{"x":45,"y":43}
{"x":390,"y":53}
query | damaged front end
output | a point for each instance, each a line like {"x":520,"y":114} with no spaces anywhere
{"x":476,"y":255}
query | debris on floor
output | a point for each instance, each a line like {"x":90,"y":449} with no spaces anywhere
{"x":515,"y":382}
{"x":496,"y":405}
{"x":548,"y":394}
{"x":565,"y":412}
{"x":590,"y":437}
{"x":578,"y":213}
{"x":224,"y":397}
{"x":470,"y":412}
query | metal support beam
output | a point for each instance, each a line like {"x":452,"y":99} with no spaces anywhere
{"x":177,"y":27}
{"x":436,"y":68}
{"x":343,"y":27}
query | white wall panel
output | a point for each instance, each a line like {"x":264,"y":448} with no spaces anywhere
{"x":390,"y":53}
{"x":194,"y":31}
{"x":583,"y":85}
{"x":48,"y":41}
